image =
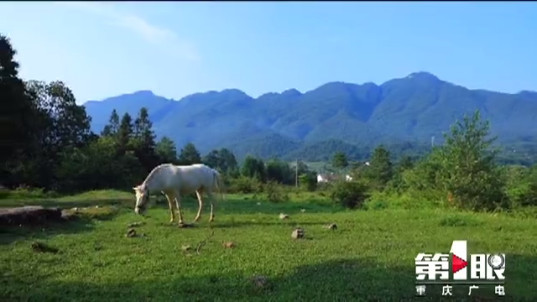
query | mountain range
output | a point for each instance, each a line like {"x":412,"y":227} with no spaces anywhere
{"x":406,"y":113}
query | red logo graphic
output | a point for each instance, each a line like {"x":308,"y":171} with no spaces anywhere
{"x":458,"y":263}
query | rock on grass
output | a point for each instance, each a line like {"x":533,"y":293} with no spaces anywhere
{"x":298,"y":233}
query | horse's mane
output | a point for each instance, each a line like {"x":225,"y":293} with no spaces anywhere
{"x":155,"y":169}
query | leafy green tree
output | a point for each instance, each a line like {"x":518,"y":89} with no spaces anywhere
{"x":279,"y":172}
{"x":228,"y":162}
{"x":425,"y":179}
{"x":470,"y":174}
{"x":302,"y":168}
{"x":308,"y":180}
{"x":254,"y":168}
{"x":222,"y":160}
{"x":98,"y":166}
{"x":67,"y":123}
{"x":18,"y":127}
{"x":189,"y":155}
{"x":63,"y":125}
{"x":405,"y":163}
{"x":212,"y":159}
{"x":339,"y":160}
{"x":165,"y":149}
{"x":380,"y":170}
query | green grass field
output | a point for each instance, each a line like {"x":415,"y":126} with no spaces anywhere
{"x":370,"y":257}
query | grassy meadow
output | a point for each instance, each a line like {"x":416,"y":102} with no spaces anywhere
{"x":369,"y":257}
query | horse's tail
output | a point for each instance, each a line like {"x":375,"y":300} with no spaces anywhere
{"x":218,"y":183}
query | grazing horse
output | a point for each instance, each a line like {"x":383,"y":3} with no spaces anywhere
{"x":174,"y":181}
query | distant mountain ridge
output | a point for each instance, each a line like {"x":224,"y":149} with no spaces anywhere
{"x":401,"y":111}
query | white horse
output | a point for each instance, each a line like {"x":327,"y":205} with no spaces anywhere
{"x":174,"y":181}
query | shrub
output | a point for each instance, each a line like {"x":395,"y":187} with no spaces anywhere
{"x":245,"y":185}
{"x":275,"y":193}
{"x":349,"y":194}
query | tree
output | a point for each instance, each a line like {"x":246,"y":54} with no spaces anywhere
{"x":113,"y":125}
{"x":18,"y":119}
{"x":405,"y":163}
{"x":339,"y":160}
{"x":165,"y":149}
{"x":63,"y":127}
{"x":302,"y":168}
{"x":212,"y":159}
{"x":144,"y":140}
{"x":308,"y":180}
{"x":189,"y":155}
{"x":124,"y":133}
{"x":228,"y":162}
{"x":254,"y":168}
{"x":380,"y":169}
{"x":222,"y":160}
{"x":470,"y":174}
{"x":142,"y":127}
{"x":279,"y":172}
{"x":67,"y":123}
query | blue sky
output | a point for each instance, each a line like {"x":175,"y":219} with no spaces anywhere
{"x":177,"y":48}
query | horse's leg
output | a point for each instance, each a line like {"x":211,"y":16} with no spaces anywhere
{"x":178,"y":204}
{"x":170,"y":204}
{"x":200,"y":201}
{"x":211,"y":198}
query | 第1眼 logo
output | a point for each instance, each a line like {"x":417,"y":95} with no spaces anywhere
{"x":474,"y":273}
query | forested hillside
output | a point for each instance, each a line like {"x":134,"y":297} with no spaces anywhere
{"x":413,"y":111}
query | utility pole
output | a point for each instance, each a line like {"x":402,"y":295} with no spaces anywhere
{"x":432,"y":141}
{"x":296,"y":173}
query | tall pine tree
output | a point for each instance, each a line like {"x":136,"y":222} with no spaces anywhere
{"x":144,"y":140}
{"x":113,"y":125}
{"x":124,"y":134}
{"x":189,"y":155}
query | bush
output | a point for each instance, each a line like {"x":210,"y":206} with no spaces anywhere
{"x":349,"y":194}
{"x":245,"y":185}
{"x":410,"y":199}
{"x":275,"y":192}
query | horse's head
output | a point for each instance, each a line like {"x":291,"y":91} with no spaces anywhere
{"x":142,"y":197}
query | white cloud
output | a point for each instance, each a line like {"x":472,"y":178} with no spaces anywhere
{"x":164,"y":37}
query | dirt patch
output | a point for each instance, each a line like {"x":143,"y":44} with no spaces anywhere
{"x":30,"y":215}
